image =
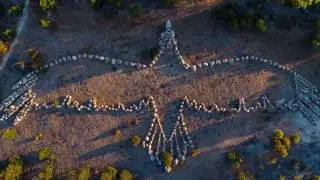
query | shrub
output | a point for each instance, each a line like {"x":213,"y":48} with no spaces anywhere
{"x":72,"y":174}
{"x":3,"y":48}
{"x":117,"y":133}
{"x":296,"y":138}
{"x":282,"y":178}
{"x":85,"y":173}
{"x":16,"y":10}
{"x":135,"y":9}
{"x":56,"y":103}
{"x":166,"y":159}
{"x":115,"y":4}
{"x":260,"y":25}
{"x":316,"y":178}
{"x":48,"y":4}
{"x":278,"y":134}
{"x":125,"y":175}
{"x":14,"y":169}
{"x":135,"y":140}
{"x":234,"y":156}
{"x":45,"y":23}
{"x":46,"y":153}
{"x":154,"y":53}
{"x":242,"y":176}
{"x":47,"y":172}
{"x":9,"y":134}
{"x":302,"y":3}
{"x":272,"y":161}
{"x":8,"y":34}
{"x":109,"y":174}
{"x":296,"y":178}
{"x":286,"y":142}
{"x":316,"y":43}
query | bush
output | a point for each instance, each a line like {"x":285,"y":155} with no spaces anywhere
{"x":48,"y":4}
{"x":302,"y":3}
{"x":115,"y":4}
{"x":47,"y":172}
{"x":316,"y":43}
{"x":234,"y":156}
{"x":260,"y":25}
{"x":316,"y":178}
{"x":154,"y":53}
{"x":56,"y":103}
{"x":16,"y":10}
{"x":14,"y":169}
{"x":282,"y":178}
{"x":296,"y":178}
{"x":45,"y":153}
{"x":117,"y":133}
{"x":9,"y":134}
{"x":125,"y":175}
{"x":272,"y":161}
{"x":166,"y":159}
{"x":296,"y":136}
{"x":109,"y":174}
{"x":278,"y":134}
{"x":85,"y":173}
{"x":242,"y":176}
{"x":135,"y":9}
{"x":8,"y":34}
{"x":135,"y":140}
{"x":45,"y":23}
{"x":72,"y":174}
{"x":3,"y":48}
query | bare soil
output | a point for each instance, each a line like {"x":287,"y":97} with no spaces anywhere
{"x":79,"y":139}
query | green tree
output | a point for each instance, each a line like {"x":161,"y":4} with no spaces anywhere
{"x":135,"y":140}
{"x":47,"y":172}
{"x":109,"y":174}
{"x":45,"y":153}
{"x":260,"y":25}
{"x":85,"y":173}
{"x":14,"y":169}
{"x":48,"y":4}
{"x":115,"y":4}
{"x":125,"y":175}
{"x":167,"y":159}
{"x":10,"y":134}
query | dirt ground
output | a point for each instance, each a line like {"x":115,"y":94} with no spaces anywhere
{"x":79,"y":139}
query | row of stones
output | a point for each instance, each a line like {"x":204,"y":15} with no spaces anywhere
{"x":234,"y":60}
{"x":156,"y":129}
{"x":94,"y":57}
{"x":92,"y":106}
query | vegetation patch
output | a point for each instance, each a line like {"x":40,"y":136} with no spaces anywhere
{"x":47,"y":172}
{"x":135,"y":140}
{"x":9,"y":134}
{"x":109,"y":174}
{"x":84,"y":173}
{"x":3,"y":48}
{"x":46,"y":153}
{"x":13,"y":170}
{"x":125,"y":175}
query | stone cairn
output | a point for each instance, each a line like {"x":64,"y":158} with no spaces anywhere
{"x":21,"y":100}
